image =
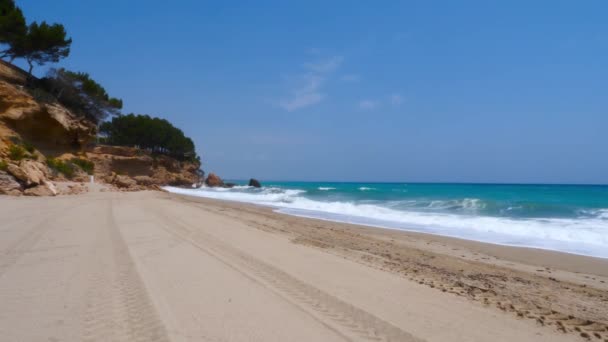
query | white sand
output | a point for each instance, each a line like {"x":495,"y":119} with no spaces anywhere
{"x":146,"y":267}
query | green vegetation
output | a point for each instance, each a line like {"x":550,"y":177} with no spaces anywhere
{"x":12,"y":25}
{"x":85,"y":165}
{"x":19,"y":149}
{"x":67,"y":169}
{"x":36,"y":43}
{"x":82,"y":95}
{"x":146,"y":132}
{"x":28,"y":147}
{"x":17,"y":152}
{"x":42,"y":43}
{"x":3,"y":165}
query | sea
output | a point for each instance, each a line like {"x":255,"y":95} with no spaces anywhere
{"x":566,"y":218}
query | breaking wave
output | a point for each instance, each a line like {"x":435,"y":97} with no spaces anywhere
{"x":464,"y":218}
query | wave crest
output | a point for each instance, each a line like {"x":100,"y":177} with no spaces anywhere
{"x":588,"y":235}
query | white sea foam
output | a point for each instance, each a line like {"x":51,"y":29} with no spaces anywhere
{"x":467,"y":204}
{"x":602,"y":214}
{"x":588,"y":236}
{"x":364,"y":188}
{"x":325,"y":188}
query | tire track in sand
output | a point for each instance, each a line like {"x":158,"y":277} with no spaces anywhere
{"x":11,"y":255}
{"x":343,"y":318}
{"x":117,"y":304}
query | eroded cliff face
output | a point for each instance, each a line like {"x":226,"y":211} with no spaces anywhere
{"x":47,"y":125}
{"x":35,"y":135}
{"x":131,"y":168}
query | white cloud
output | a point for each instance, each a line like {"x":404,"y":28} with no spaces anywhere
{"x":396,"y":100}
{"x":308,"y":88}
{"x":368,"y":104}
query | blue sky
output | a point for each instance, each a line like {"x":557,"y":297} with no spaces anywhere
{"x":467,"y":91}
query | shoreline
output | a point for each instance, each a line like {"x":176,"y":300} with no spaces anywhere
{"x":284,"y":211}
{"x":406,"y":230}
{"x":537,"y":256}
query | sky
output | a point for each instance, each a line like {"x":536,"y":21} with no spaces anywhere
{"x":413,"y":91}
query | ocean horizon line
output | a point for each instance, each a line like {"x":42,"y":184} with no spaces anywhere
{"x":406,"y":182}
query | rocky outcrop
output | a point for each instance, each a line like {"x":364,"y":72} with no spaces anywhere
{"x":144,"y":180}
{"x":30,"y":120}
{"x":146,"y":170}
{"x":47,"y":124}
{"x":214,"y":180}
{"x":124,"y":181}
{"x":29,"y":178}
{"x":44,"y":126}
{"x":9,"y":185}
{"x":12,"y":73}
{"x":44,"y":189}
{"x":255,"y":183}
{"x":29,"y":172}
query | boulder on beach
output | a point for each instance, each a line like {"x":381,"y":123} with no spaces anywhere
{"x":255,"y":183}
{"x":214,"y":180}
{"x":44,"y":189}
{"x":144,"y":180}
{"x":9,"y":185}
{"x":124,"y":181}
{"x":29,"y":172}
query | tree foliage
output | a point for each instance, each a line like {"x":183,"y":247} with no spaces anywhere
{"x":12,"y":25}
{"x":81,"y":94}
{"x":154,"y":134}
{"x":37,"y":43}
{"x":43,"y":43}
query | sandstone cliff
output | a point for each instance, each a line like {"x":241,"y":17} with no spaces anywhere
{"x":43,"y":142}
{"x":116,"y":164}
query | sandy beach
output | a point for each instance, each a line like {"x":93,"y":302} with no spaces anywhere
{"x":153,"y":266}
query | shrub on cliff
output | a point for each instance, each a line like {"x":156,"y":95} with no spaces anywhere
{"x":85,"y":165}
{"x":82,"y":95}
{"x":153,"y":134}
{"x":65,"y":168}
{"x":16,"y":152}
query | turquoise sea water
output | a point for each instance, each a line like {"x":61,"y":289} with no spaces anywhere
{"x":569,"y":218}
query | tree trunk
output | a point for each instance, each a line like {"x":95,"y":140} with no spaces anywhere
{"x":29,"y":72}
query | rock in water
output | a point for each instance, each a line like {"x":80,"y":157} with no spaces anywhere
{"x":255,"y":183}
{"x":9,"y":185}
{"x":214,"y":180}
